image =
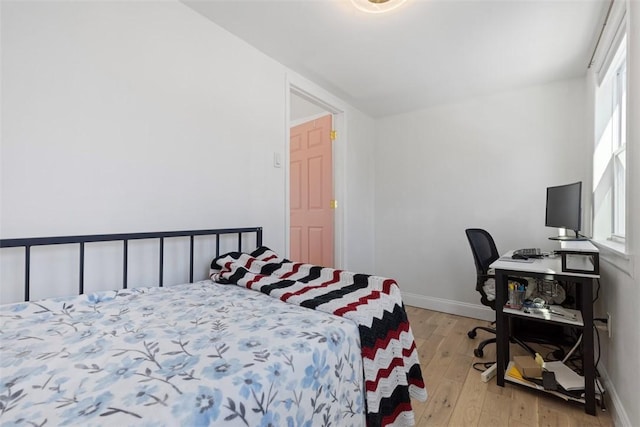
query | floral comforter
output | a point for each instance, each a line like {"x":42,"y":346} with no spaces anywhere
{"x":190,"y":355}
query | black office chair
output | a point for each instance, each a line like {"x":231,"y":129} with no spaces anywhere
{"x":484,"y":253}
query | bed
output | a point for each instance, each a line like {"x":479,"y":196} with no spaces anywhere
{"x":244,"y":348}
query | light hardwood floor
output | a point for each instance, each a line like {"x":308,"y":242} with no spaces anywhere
{"x":457,"y":395}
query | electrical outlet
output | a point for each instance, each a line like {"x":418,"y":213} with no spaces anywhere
{"x":609,"y":325}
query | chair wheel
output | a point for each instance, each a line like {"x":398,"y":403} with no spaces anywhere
{"x":477,"y":352}
{"x":471,"y":334}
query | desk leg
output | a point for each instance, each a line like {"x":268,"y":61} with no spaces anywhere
{"x":586,"y":289}
{"x":502,"y":333}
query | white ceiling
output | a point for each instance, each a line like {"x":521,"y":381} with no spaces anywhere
{"x":425,"y":53}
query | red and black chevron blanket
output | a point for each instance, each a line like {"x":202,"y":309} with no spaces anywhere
{"x":391,"y":367}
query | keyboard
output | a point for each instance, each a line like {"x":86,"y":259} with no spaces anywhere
{"x":529,"y":252}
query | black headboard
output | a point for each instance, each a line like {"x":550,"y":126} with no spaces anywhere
{"x":125,"y":238}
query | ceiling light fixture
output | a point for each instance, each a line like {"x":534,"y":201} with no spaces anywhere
{"x":377,"y":6}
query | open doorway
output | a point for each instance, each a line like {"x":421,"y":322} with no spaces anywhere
{"x":311,"y":192}
{"x":311,"y":182}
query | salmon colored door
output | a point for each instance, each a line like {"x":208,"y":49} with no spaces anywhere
{"x":311,"y":172}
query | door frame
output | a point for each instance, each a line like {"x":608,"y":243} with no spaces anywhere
{"x":323,"y":99}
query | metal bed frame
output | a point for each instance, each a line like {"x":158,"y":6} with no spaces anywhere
{"x":27,"y":243}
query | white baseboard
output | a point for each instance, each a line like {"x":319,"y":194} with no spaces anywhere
{"x":478,"y":311}
{"x":475,"y":311}
{"x":618,"y":414}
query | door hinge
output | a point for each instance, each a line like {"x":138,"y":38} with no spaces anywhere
{"x":334,"y":135}
{"x":333,"y":204}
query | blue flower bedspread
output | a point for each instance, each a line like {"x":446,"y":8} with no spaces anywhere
{"x":187,"y":355}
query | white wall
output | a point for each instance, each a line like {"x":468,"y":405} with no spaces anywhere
{"x":138,"y":116}
{"x":486,"y":163}
{"x":359,"y":195}
{"x":134,"y":116}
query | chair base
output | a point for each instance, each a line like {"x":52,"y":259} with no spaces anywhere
{"x":478,"y":351}
{"x":473,"y":332}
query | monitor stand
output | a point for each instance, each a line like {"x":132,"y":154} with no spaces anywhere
{"x":575,"y":238}
{"x":569,"y":238}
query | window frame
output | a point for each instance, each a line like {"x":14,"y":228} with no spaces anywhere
{"x":604,"y":62}
{"x":618,"y":208}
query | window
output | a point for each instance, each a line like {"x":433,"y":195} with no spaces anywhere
{"x":609,"y":160}
{"x":619,"y":152}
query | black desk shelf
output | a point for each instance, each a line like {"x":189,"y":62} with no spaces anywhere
{"x":577,"y":322}
{"x":567,"y":397}
{"x":549,"y":268}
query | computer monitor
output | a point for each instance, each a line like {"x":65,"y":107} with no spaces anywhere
{"x":564,"y":209}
